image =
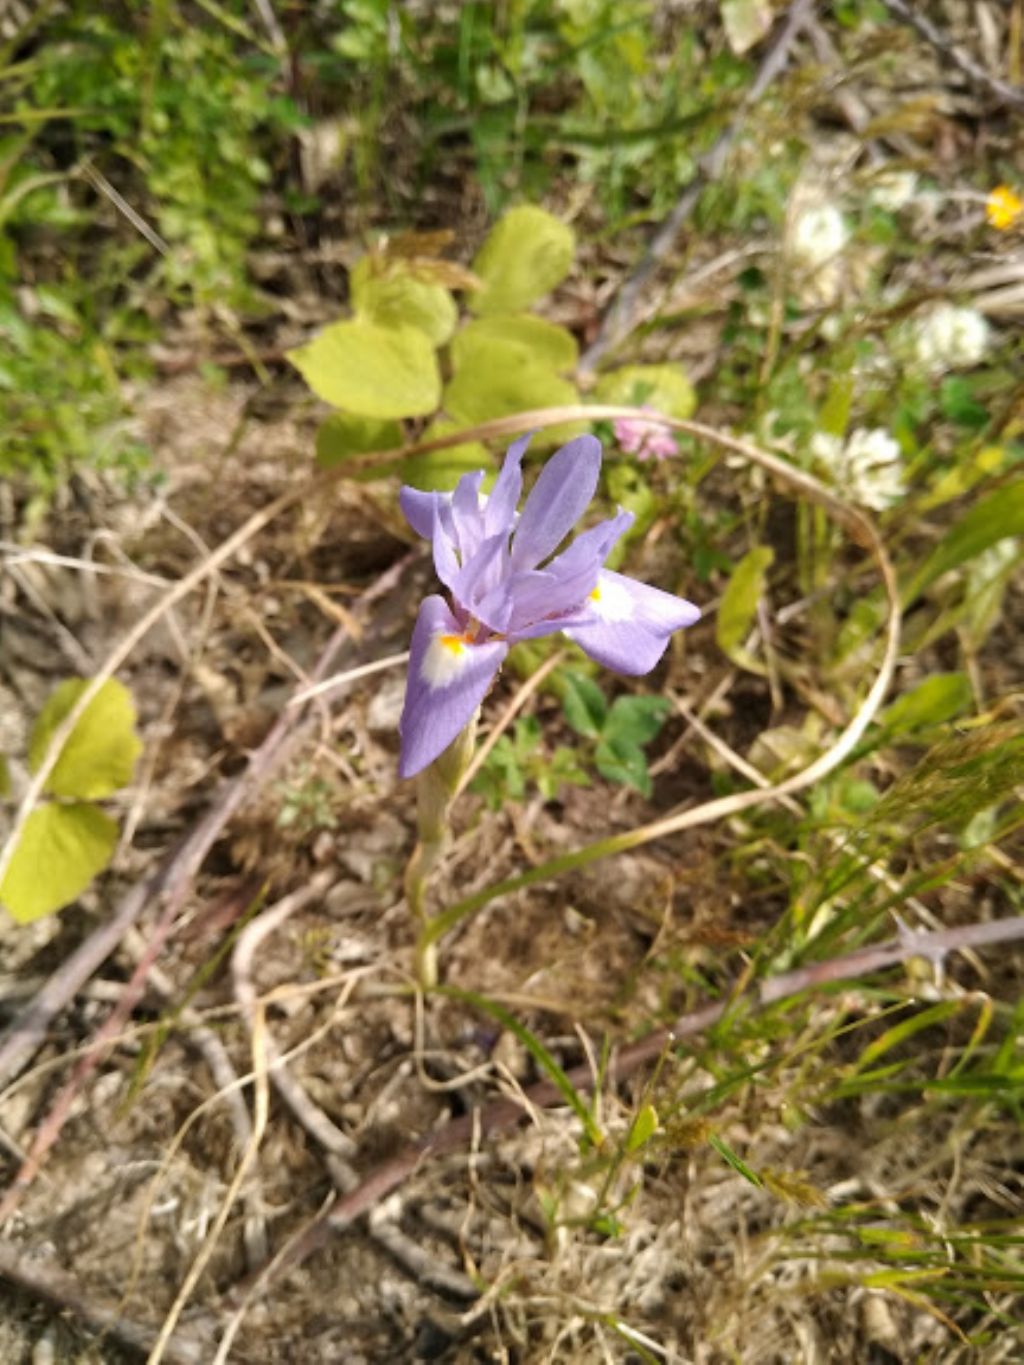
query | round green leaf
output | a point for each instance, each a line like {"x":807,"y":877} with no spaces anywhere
{"x":60,"y":850}
{"x":393,"y":299}
{"x":371,"y":370}
{"x":508,"y":383}
{"x":99,"y":755}
{"x":526,"y":254}
{"x":344,"y":434}
{"x":543,"y":343}
{"x":441,"y":470}
{"x":662,"y":387}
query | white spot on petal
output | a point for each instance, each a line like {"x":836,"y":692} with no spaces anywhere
{"x":611,"y":601}
{"x":445,"y":658}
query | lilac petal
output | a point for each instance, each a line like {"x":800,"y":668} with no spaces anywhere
{"x":557,"y":594}
{"x":539,"y":595}
{"x":551,"y":625}
{"x":467,"y":516}
{"x":593,"y":544}
{"x":448,"y":679}
{"x":631,"y":623}
{"x":446,"y":562}
{"x":481,"y":585}
{"x":500,"y":510}
{"x":494,"y":609}
{"x":418,"y":508}
{"x":557,"y":501}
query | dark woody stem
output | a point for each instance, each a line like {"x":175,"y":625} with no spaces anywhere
{"x":436,"y":788}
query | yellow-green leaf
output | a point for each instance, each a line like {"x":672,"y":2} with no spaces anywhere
{"x":5,"y":777}
{"x":442,"y":469}
{"x":543,"y":343}
{"x":526,"y":254}
{"x":371,"y":370}
{"x":739,"y":602}
{"x":99,"y":755}
{"x":508,"y":384}
{"x":61,"y":849}
{"x":992,"y":519}
{"x":344,"y":434}
{"x":662,"y":387}
{"x":642,"y":1129}
{"x":391,"y":297}
{"x":937,"y":699}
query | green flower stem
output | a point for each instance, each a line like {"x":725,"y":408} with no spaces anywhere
{"x":436,"y":789}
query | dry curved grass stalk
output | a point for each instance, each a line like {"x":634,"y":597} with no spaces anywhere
{"x":854,"y":521}
{"x":856,"y":524}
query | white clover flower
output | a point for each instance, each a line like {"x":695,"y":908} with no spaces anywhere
{"x":819,"y":233}
{"x":893,"y":190}
{"x":867,"y":467}
{"x":950,"y":338}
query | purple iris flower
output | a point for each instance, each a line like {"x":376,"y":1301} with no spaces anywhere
{"x":508,"y":584}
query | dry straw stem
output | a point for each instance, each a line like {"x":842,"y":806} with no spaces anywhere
{"x":261,"y":1109}
{"x":315,"y":1122}
{"x":522,"y":696}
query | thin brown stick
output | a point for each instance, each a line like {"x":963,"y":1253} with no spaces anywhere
{"x":618,"y":320}
{"x":507,"y":1113}
{"x":1006,"y":93}
{"x":19,"y":1266}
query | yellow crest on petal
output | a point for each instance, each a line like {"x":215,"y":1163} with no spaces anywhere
{"x":444,"y":659}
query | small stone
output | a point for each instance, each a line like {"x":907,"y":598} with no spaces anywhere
{"x":385,"y":708}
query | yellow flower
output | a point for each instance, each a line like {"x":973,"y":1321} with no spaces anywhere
{"x":1003,"y":207}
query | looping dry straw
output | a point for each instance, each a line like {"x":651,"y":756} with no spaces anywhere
{"x":858,"y":526}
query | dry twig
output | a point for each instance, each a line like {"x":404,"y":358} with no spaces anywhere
{"x":55,"y":1286}
{"x":619,"y":317}
{"x":1006,"y":93}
